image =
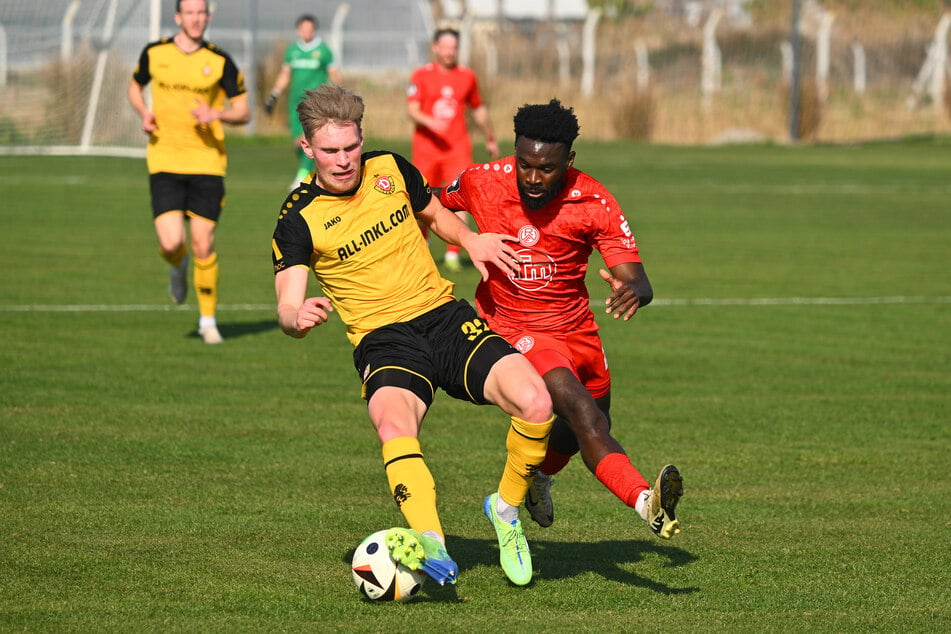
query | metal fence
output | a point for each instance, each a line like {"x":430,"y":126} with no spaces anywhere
{"x":675,"y":71}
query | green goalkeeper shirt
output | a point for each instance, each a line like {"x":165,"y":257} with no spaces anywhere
{"x":309,"y":63}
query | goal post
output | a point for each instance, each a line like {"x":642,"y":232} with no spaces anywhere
{"x":68,"y":65}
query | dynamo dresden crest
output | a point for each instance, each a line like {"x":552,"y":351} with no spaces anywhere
{"x":384,"y":185}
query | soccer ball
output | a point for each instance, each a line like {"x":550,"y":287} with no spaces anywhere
{"x":378,"y":577}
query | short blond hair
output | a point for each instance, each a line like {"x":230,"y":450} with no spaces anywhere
{"x":330,"y":103}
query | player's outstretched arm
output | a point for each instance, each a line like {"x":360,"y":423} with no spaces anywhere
{"x":630,"y":289}
{"x":295,"y":314}
{"x":483,"y":248}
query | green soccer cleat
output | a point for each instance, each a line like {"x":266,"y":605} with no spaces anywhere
{"x":514,"y":555}
{"x":420,"y":552}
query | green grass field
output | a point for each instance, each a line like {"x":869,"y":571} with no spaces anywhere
{"x":796,"y":365}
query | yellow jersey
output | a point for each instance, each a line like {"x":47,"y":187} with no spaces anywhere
{"x":364,"y":246}
{"x":177,"y":79}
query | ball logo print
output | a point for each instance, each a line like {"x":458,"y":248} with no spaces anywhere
{"x":378,"y":577}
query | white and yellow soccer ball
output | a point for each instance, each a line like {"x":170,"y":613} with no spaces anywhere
{"x":378,"y":577}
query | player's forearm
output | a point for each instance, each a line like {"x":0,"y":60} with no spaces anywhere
{"x":282,"y":81}
{"x":481,"y":117}
{"x":239,"y":113}
{"x":449,"y":228}
{"x":136,"y":98}
{"x":287,"y":320}
{"x":416,"y":115}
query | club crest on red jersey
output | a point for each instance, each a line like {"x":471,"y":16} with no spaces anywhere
{"x":529,"y":235}
{"x":525,"y":344}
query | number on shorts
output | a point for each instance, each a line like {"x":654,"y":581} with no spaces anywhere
{"x":473,"y":329}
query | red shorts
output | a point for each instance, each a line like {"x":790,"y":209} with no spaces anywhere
{"x":580,"y":351}
{"x":442,"y":169}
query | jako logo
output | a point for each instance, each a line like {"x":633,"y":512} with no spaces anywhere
{"x":331,"y":222}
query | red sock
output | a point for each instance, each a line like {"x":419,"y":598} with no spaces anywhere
{"x":451,"y":248}
{"x":553,"y":462}
{"x":616,"y":472}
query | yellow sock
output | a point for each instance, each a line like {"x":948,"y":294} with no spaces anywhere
{"x":526,"y":444}
{"x":175,"y":259}
{"x":206,"y":285}
{"x":411,"y":484}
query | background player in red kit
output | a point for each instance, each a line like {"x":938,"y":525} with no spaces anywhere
{"x":559,"y":215}
{"x":436,"y":101}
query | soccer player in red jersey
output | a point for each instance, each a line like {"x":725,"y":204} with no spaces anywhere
{"x":436,"y":101}
{"x":559,"y":215}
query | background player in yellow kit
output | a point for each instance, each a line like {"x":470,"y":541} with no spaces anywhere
{"x":190,"y":80}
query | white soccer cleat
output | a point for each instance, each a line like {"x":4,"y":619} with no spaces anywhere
{"x":210,"y":334}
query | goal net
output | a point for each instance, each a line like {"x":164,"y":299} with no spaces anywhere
{"x":64,"y":69}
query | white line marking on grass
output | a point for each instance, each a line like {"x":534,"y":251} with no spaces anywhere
{"x":700,"y":301}
{"x":802,"y":301}
{"x":124,"y":308}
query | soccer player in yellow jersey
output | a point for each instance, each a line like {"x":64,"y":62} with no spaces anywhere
{"x":354,"y":224}
{"x":190,"y":81}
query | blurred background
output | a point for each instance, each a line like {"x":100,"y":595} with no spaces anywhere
{"x":659,"y":71}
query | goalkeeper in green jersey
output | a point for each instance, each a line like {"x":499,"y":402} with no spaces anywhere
{"x":308,"y":63}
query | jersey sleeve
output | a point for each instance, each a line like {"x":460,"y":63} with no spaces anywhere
{"x":453,"y":196}
{"x":142,"y":75}
{"x":613,"y":237}
{"x":232,"y":81}
{"x":420,"y":193}
{"x":474,"y":98}
{"x":292,"y":244}
{"x":412,"y":89}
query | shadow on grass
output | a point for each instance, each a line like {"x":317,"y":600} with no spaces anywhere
{"x":236,"y":330}
{"x":613,"y":560}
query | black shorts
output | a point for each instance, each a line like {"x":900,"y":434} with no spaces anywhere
{"x":449,"y":347}
{"x":195,"y":194}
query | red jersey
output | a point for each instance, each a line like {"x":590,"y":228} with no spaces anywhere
{"x":444,"y":94}
{"x":555,"y":242}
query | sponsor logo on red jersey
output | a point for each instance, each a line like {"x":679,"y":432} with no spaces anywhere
{"x":536,"y":271}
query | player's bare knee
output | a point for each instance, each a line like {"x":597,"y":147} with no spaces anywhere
{"x":590,"y":427}
{"x":535,"y":403}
